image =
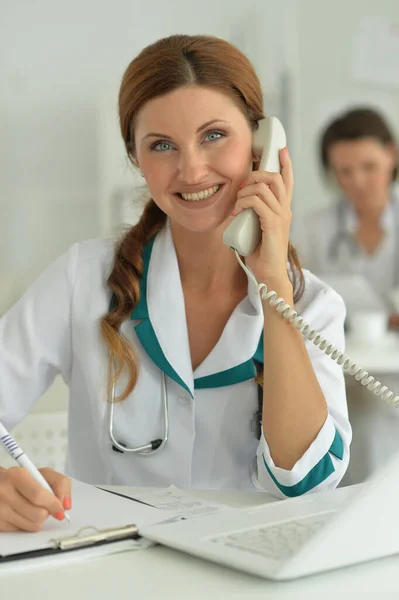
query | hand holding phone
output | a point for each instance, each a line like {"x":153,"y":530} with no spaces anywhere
{"x":244,"y":232}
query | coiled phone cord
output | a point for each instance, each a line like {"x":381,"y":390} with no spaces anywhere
{"x":360,"y":374}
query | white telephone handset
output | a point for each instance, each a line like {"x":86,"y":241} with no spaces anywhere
{"x":244,"y":232}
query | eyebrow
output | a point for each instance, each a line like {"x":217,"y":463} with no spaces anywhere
{"x":201,"y":128}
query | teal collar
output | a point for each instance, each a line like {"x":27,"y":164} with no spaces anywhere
{"x":148,"y":339}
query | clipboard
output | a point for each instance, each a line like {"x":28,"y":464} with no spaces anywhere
{"x":81,"y":540}
{"x":99,"y":518}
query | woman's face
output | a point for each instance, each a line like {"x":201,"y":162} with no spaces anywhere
{"x":363,"y":168}
{"x":193,"y":146}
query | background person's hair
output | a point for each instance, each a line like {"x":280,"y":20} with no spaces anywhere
{"x":166,"y":65}
{"x":356,"y":124}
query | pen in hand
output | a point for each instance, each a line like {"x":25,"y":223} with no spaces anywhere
{"x":23,"y":460}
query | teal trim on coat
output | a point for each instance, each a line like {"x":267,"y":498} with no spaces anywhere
{"x":145,"y":331}
{"x":259,"y":351}
{"x":319,"y":473}
{"x":148,"y":339}
{"x":241,"y":372}
{"x":337,"y":447}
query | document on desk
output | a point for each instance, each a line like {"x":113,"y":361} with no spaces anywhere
{"x":179,"y":502}
{"x":93,"y":511}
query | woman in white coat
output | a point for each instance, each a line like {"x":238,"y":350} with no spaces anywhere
{"x":358,"y":233}
{"x":171,"y":307}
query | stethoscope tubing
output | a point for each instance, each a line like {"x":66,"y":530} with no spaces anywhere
{"x":152,"y":447}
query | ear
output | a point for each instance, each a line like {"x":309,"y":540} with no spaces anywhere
{"x":133,"y":160}
{"x":136,"y":163}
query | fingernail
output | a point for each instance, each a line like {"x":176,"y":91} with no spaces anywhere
{"x":232,"y":214}
{"x":60,"y":516}
{"x":67,"y":503}
{"x":286,"y":150}
{"x":242,"y":185}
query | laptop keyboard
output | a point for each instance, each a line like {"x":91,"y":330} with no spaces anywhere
{"x":278,"y":541}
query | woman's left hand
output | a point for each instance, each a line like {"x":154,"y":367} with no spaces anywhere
{"x":269,"y":195}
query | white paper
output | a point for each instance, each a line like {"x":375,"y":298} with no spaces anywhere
{"x":91,"y":508}
{"x":180,"y":503}
{"x":376,"y":52}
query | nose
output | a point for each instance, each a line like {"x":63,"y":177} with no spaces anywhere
{"x":360,"y":181}
{"x":356,"y":180}
{"x":192,"y":166}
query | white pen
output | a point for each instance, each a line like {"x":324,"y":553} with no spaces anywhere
{"x":22,"y":459}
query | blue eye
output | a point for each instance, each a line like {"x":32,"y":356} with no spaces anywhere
{"x":161,"y":147}
{"x":213,"y":136}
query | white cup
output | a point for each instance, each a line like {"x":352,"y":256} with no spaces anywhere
{"x":368,"y":325}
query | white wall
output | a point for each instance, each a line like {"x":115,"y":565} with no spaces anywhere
{"x":325,"y":34}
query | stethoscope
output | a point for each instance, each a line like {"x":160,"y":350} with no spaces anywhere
{"x":155,"y":445}
{"x":147,"y":449}
{"x":342,"y":236}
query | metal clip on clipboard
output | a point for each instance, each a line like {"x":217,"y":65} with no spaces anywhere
{"x":98,"y":536}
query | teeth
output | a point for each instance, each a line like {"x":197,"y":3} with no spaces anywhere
{"x":201,"y":195}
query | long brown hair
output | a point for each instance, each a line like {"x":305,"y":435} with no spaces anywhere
{"x":168,"y":64}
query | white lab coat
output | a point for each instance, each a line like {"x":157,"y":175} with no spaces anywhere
{"x":54,"y":329}
{"x":322,"y":239}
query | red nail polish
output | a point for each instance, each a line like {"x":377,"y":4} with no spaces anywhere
{"x":67,"y":503}
{"x":242,"y":185}
{"x":60,"y":516}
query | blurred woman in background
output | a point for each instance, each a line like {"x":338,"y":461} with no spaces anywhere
{"x":358,"y":232}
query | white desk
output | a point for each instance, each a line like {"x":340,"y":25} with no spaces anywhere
{"x":162,"y":573}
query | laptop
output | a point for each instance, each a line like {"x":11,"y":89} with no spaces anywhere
{"x":299,"y":536}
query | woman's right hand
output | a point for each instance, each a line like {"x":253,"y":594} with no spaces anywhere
{"x":25,"y":504}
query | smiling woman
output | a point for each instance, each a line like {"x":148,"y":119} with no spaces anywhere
{"x":195,"y":157}
{"x":166,"y":322}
